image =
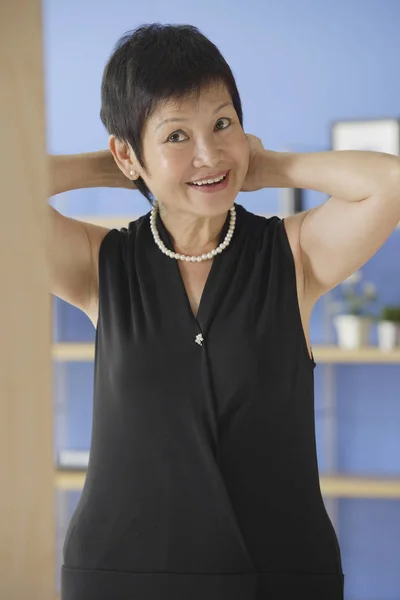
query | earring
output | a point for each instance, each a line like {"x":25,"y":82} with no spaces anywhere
{"x":132,"y":173}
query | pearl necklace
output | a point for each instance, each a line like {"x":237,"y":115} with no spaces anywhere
{"x":200,"y":258}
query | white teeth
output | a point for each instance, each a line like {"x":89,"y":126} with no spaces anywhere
{"x":206,"y":181}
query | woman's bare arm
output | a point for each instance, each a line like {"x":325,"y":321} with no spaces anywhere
{"x":90,"y":169}
{"x":74,"y":245}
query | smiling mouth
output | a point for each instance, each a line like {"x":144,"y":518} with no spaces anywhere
{"x":209,"y":185}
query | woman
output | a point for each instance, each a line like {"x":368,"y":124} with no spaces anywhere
{"x":203,"y":479}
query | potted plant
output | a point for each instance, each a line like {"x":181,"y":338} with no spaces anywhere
{"x":389,"y":327}
{"x":354,"y":321}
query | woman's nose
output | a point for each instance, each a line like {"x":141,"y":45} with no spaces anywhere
{"x":207,"y":153}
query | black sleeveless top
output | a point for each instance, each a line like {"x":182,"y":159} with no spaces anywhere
{"x":203,"y":480}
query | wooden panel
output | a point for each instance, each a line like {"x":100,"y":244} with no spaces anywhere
{"x":27,"y":538}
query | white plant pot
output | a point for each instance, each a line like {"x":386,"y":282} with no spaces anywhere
{"x":352,"y":331}
{"x":387,"y":335}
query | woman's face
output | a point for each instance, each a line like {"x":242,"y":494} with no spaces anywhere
{"x":196,"y":139}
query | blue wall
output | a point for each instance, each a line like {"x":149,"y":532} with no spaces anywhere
{"x":299,"y":66}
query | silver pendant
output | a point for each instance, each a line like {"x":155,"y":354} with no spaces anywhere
{"x":199,"y":339}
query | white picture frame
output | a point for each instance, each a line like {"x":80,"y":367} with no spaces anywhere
{"x":379,"y":135}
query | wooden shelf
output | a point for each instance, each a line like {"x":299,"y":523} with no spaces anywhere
{"x":73,"y":352}
{"x":337,"y":486}
{"x":369,"y":354}
{"x":341,"y":486}
{"x":322,"y":354}
{"x":69,"y":480}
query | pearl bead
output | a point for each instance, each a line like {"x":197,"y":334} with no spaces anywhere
{"x":177,"y":256}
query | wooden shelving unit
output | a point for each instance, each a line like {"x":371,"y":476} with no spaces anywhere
{"x":322,"y":354}
{"x":332,"y":486}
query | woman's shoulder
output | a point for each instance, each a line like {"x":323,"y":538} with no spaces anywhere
{"x":122,"y":235}
{"x":257,"y":222}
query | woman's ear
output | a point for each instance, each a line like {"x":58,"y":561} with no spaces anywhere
{"x":124,"y":156}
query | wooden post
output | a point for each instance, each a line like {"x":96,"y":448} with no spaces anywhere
{"x":27,"y":538}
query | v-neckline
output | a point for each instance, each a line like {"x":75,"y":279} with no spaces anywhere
{"x":205,"y":304}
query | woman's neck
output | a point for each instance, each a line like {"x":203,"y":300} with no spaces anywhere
{"x":191,"y":234}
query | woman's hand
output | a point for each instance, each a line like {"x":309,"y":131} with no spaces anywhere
{"x":252,"y":179}
{"x":266,"y":167}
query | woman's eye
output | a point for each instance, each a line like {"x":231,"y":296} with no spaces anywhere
{"x":179,"y":136}
{"x":222,"y":121}
{"x":174,"y":137}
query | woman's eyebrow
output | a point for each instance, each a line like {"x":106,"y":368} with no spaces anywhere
{"x":181,"y":120}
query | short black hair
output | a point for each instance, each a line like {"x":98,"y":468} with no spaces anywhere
{"x":155,"y":63}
